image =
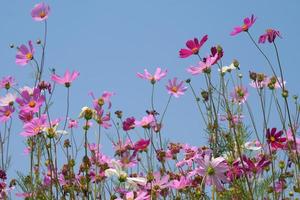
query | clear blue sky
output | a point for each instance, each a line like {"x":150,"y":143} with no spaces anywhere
{"x":109,"y":41}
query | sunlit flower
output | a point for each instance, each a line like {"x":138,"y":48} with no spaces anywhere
{"x":176,"y":89}
{"x":34,"y":127}
{"x":248,"y":22}
{"x":25,"y":55}
{"x":158,"y":75}
{"x":270,"y":35}
{"x":275,"y":139}
{"x":239,"y":95}
{"x":40,"y":12}
{"x":193,"y":47}
{"x":7,"y":82}
{"x":8,"y":99}
{"x":203,"y":66}
{"x":67,"y":79}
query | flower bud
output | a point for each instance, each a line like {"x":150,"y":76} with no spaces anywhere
{"x":11,"y":46}
{"x":281,"y":164}
{"x":252,"y":75}
{"x":205,"y":95}
{"x":119,"y":114}
{"x":188,"y":80}
{"x":285,"y":94}
{"x":236,"y":63}
{"x":38,"y":41}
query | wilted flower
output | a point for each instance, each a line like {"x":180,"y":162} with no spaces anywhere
{"x":40,"y":12}
{"x":193,"y":47}
{"x":25,"y":55}
{"x":270,"y":35}
{"x":159,"y":74}
{"x":176,"y":89}
{"x":248,"y":22}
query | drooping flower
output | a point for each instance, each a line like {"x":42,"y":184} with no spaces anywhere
{"x":31,"y":103}
{"x":270,"y":35}
{"x":128,"y":124}
{"x":6,"y":113}
{"x":8,"y":99}
{"x":275,"y":139}
{"x":176,"y":89}
{"x":7,"y":82}
{"x":239,"y":95}
{"x":25,"y":55}
{"x":248,"y":22}
{"x":158,"y":75}
{"x":40,"y":12}
{"x":213,"y":170}
{"x":67,"y":79}
{"x":203,"y":66}
{"x":34,"y":127}
{"x":193,"y":47}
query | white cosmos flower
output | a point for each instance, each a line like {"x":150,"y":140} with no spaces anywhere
{"x":253,"y":145}
{"x":227,"y":68}
{"x":8,"y":99}
{"x":122,"y":175}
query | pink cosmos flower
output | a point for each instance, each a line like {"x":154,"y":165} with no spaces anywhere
{"x":31,"y":103}
{"x":102,"y":119}
{"x":73,"y":123}
{"x":145,"y":122}
{"x":290,"y":140}
{"x":239,"y":95}
{"x":141,"y":145}
{"x":34,"y":127}
{"x":270,"y":35}
{"x":159,"y":74}
{"x":248,"y":22}
{"x":25,"y":116}
{"x":105,"y":98}
{"x":128,"y":124}
{"x":40,"y":12}
{"x":141,"y":195}
{"x":180,"y":184}
{"x":67,"y":79}
{"x":6,"y":113}
{"x":235,"y":119}
{"x":256,"y":165}
{"x":193,"y":47}
{"x":7,"y":82}
{"x":176,"y":89}
{"x":25,"y":55}
{"x":275,"y":139}
{"x":159,"y":182}
{"x":235,"y":171}
{"x":213,"y":170}
{"x":204,"y":65}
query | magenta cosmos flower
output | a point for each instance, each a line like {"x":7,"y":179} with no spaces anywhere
{"x":270,"y":35}
{"x":34,"y":127}
{"x":248,"y":22}
{"x":128,"y":124}
{"x":159,"y":74}
{"x":256,"y":165}
{"x":204,"y":65}
{"x":193,"y":47}
{"x":67,"y":79}
{"x":275,"y":139}
{"x":40,"y":12}
{"x":213,"y":171}
{"x":7,"y":82}
{"x":31,"y":103}
{"x":239,"y":95}
{"x":176,"y":89}
{"x":25,"y":55}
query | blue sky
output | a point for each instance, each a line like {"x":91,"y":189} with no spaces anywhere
{"x":109,"y":41}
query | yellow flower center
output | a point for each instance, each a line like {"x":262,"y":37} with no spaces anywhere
{"x":272,"y":138}
{"x":245,"y":27}
{"x":174,"y":89}
{"x":7,"y":113}
{"x":37,"y":129}
{"x":32,"y":104}
{"x":42,"y":14}
{"x":210,"y":170}
{"x":195,"y":50}
{"x":29,"y":56}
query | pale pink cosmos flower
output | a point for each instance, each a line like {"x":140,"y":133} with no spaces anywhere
{"x":105,"y":98}
{"x":7,"y":82}
{"x":40,"y":12}
{"x":235,"y":119}
{"x":102,"y":119}
{"x":248,"y":22}
{"x":8,"y":99}
{"x":203,"y":65}
{"x":25,"y":55}
{"x":145,"y":122}
{"x":73,"y":123}
{"x":213,"y":171}
{"x":239,"y":95}
{"x":159,"y":182}
{"x":158,"y":75}
{"x":6,"y":113}
{"x":180,"y":184}
{"x":67,"y":79}
{"x":34,"y":127}
{"x":176,"y":89}
{"x":193,"y":47}
{"x":141,"y":195}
